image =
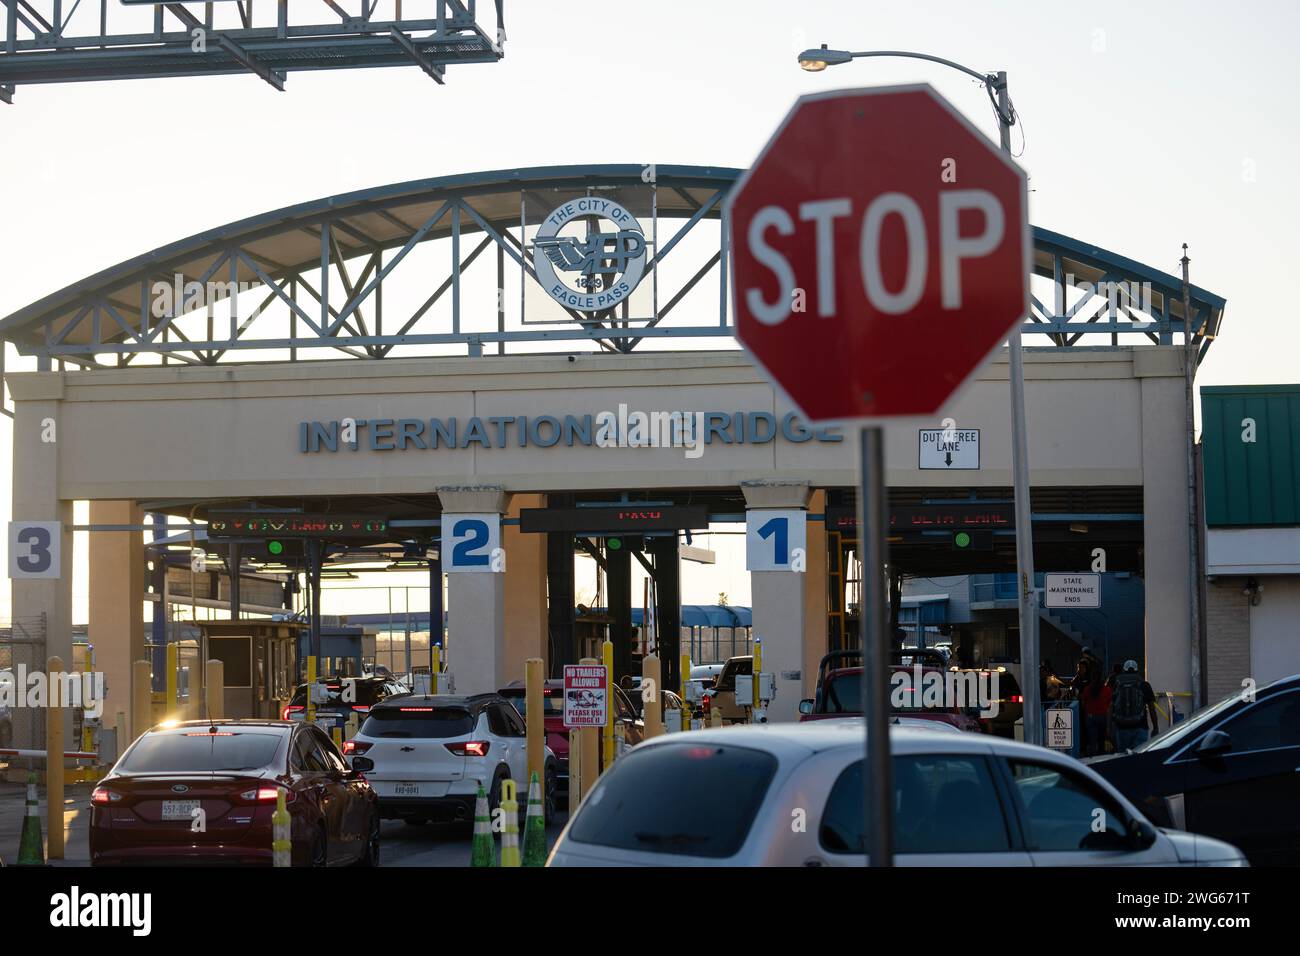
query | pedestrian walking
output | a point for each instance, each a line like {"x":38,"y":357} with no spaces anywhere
{"x":1095,"y":699}
{"x":1132,"y":708}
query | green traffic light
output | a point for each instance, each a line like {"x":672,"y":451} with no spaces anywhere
{"x":275,"y":547}
{"x":613,"y":544}
{"x":961,"y":539}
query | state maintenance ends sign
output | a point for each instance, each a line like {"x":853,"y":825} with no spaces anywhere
{"x":1072,"y":590}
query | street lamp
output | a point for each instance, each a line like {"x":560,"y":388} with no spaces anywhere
{"x":816,"y":60}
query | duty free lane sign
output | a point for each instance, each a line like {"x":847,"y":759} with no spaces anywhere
{"x":949,"y":449}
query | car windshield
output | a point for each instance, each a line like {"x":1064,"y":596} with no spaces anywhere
{"x":552,"y":701}
{"x":665,"y":799}
{"x":1190,"y":727}
{"x":201,"y":752}
{"x":843,"y":695}
{"x":418,"y":721}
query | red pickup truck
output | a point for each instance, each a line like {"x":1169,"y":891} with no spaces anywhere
{"x":839,"y":691}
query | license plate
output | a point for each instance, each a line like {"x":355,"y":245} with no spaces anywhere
{"x":406,"y":790}
{"x":179,"y":809}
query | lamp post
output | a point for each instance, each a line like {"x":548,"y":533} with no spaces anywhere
{"x":816,"y":60}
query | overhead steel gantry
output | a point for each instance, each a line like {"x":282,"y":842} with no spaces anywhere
{"x":331,"y":275}
{"x":63,"y":41}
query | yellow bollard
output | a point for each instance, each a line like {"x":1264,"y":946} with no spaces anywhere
{"x":281,"y":846}
{"x":436,"y":668}
{"x":141,"y":702}
{"x":575,"y":769}
{"x":310,"y":712}
{"x":611,"y":711}
{"x":87,"y":735}
{"x":353,"y":725}
{"x":654,"y":705}
{"x":337,"y":733}
{"x":214,"y":687}
{"x":535,"y":719}
{"x":172,"y":710}
{"x":119,"y":731}
{"x":685,"y":680}
{"x":54,"y":761}
{"x":510,"y":812}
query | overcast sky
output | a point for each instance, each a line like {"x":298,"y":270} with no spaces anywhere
{"x":1145,"y":125}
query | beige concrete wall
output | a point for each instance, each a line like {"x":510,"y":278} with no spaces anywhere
{"x":234,"y":431}
{"x":525,"y":610}
{"x":1165,"y":530}
{"x":116,"y":599}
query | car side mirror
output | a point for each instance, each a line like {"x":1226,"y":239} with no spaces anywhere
{"x":1214,"y":744}
{"x":806,"y":706}
{"x":1141,"y":834}
{"x":362,"y":764}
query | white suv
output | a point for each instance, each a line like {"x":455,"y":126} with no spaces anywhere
{"x":425,"y":756}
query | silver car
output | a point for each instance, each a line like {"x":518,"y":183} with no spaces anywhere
{"x":792,"y":795}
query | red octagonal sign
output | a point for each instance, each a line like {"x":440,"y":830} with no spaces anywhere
{"x":880,"y":252}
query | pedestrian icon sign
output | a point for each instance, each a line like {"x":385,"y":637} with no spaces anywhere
{"x":1060,"y":728}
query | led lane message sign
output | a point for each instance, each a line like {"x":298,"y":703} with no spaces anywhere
{"x":630,"y":517}
{"x":233,"y":524}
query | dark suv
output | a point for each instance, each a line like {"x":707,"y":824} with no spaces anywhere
{"x":364,"y":693}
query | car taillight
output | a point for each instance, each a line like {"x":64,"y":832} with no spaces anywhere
{"x":291,"y":709}
{"x":470,"y":748}
{"x":361,"y":708}
{"x":103,"y":795}
{"x":355,"y":747}
{"x":708,"y":703}
{"x":1017,"y":699}
{"x":265,"y":795}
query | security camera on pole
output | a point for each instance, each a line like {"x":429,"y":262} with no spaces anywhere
{"x":880,"y":254}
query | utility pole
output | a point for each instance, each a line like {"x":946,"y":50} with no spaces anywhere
{"x":1033,"y":714}
{"x":1193,"y":502}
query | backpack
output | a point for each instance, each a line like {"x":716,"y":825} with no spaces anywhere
{"x":1128,"y":703}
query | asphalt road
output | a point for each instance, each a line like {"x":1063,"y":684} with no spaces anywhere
{"x":434,"y":844}
{"x":437,"y":844}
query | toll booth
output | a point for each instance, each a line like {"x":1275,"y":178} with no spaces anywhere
{"x":260,"y":658}
{"x":345,"y":650}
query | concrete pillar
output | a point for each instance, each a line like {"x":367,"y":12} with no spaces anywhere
{"x":525,"y":591}
{"x":475,"y":600}
{"x":779,"y":601}
{"x":1164,"y":524}
{"x":36,"y":437}
{"x":116,"y":618}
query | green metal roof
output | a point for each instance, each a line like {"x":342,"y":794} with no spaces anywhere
{"x":1251,"y":483}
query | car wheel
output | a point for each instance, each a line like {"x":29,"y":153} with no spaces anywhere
{"x":371,"y":855}
{"x":319,"y":848}
{"x":550,"y":794}
{"x":494,"y":793}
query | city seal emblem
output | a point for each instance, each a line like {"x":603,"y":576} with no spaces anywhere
{"x":593,"y":267}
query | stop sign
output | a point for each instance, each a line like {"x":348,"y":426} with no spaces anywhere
{"x":879,"y":250}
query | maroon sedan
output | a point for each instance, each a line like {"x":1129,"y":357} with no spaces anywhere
{"x":204,"y":792}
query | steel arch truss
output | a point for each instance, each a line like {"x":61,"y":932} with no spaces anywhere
{"x":60,"y":41}
{"x":350,"y":274}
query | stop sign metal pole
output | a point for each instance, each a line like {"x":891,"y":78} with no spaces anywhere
{"x":873,"y":547}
